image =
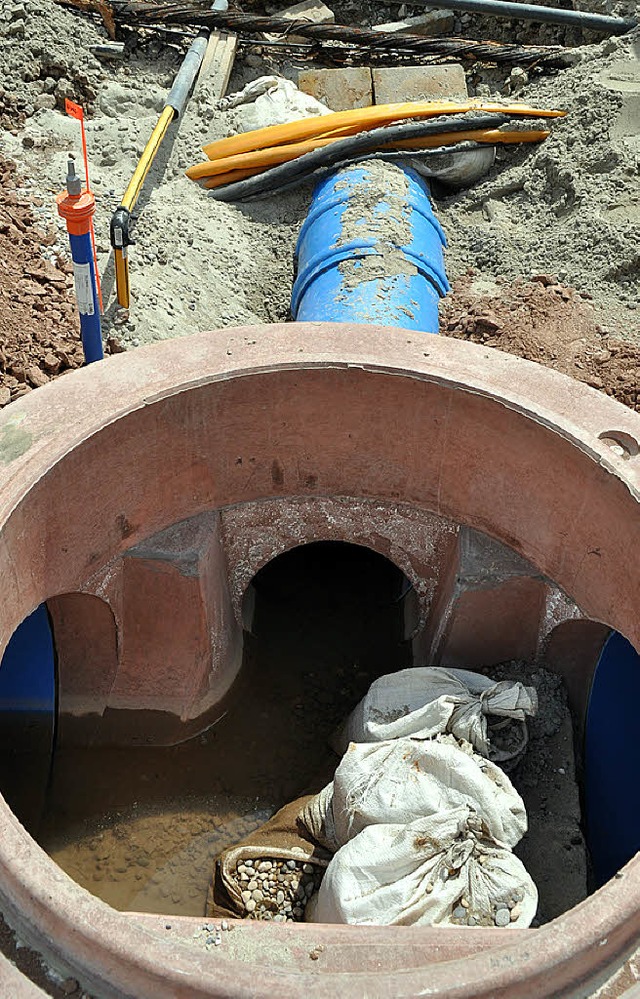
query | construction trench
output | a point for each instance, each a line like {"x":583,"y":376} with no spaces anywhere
{"x":316,"y":475}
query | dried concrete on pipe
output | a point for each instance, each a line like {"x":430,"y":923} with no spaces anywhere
{"x":472,"y":431}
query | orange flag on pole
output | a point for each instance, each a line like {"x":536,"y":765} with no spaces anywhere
{"x":73,"y":110}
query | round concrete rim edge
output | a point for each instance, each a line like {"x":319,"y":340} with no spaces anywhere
{"x":34,"y":881}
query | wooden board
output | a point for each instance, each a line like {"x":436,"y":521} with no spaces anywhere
{"x":218,"y":62}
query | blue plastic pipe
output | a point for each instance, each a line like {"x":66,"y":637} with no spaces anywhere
{"x":353,"y":268}
{"x":612,"y":759}
{"x":27,"y":670}
{"x":87,"y":296}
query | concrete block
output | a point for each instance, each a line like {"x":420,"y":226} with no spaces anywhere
{"x":488,"y":608}
{"x":179,"y":647}
{"x":309,"y":10}
{"x":339,"y":89}
{"x":313,"y":11}
{"x":86,"y":644}
{"x":419,"y":83}
{"x":435,"y":22}
{"x":494,"y":625}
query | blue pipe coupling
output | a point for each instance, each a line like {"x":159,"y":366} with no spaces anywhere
{"x":371,"y":251}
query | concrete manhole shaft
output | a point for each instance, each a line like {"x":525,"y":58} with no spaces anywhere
{"x":182,"y":447}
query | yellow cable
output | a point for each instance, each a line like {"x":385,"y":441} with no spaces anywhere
{"x":130,"y":197}
{"x":492,"y":135}
{"x":144,"y":163}
{"x":260,"y":159}
{"x":362,"y":118}
{"x":230,"y":178}
{"x":256,"y":158}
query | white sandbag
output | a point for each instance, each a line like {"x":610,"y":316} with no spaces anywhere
{"x":270,"y":100}
{"x":425,"y":701}
{"x":405,"y":779}
{"x":441,"y":871}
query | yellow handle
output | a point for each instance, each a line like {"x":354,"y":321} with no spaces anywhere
{"x":122,"y":277}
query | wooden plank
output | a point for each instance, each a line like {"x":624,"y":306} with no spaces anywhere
{"x":218,"y":62}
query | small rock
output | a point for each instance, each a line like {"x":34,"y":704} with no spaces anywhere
{"x":250,"y":905}
{"x":51,"y":364}
{"x":544,"y":279}
{"x":5,"y":396}
{"x":518,"y":79}
{"x":19,"y":391}
{"x":69,"y":986}
{"x":502,"y":917}
{"x":459,"y":912}
{"x":515,"y":913}
{"x":36,"y":377}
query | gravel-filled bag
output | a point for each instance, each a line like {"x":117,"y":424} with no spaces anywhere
{"x":272,"y":873}
{"x":406,"y":779}
{"x":425,"y":701}
{"x":444,"y":870}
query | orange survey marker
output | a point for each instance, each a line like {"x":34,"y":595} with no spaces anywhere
{"x":75,"y":111}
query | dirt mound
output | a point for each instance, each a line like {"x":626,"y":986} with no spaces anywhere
{"x":544,"y":321}
{"x":39,"y":330}
{"x":44,"y":57}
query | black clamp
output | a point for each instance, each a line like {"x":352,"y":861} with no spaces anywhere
{"x":119,"y":229}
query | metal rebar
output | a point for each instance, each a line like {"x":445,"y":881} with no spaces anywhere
{"x":534,"y":12}
{"x":141,"y":13}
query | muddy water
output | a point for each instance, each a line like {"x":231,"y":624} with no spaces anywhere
{"x":140,"y":827}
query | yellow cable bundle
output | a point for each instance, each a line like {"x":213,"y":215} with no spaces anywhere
{"x":233,"y":168}
{"x":356,"y":120}
{"x":249,"y":153}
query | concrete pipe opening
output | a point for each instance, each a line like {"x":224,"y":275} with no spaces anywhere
{"x":336,"y":590}
{"x":155,"y":482}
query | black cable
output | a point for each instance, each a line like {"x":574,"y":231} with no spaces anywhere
{"x":137,"y":12}
{"x":536,"y":12}
{"x":346,"y":149}
{"x":376,"y":154}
